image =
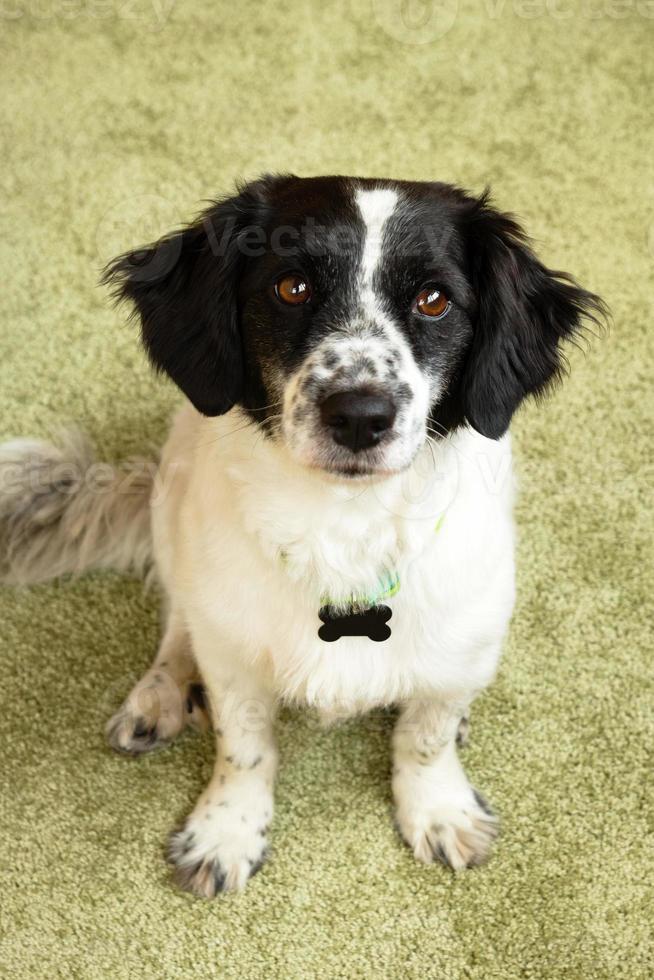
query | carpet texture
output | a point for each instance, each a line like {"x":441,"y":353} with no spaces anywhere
{"x":117,"y":121}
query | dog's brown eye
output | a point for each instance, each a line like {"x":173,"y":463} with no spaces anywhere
{"x":292,"y":289}
{"x":432,"y":302}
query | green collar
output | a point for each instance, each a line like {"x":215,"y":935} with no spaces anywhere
{"x":389,"y":585}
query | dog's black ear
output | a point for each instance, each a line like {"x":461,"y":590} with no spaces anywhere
{"x":523,"y":313}
{"x":184,"y":289}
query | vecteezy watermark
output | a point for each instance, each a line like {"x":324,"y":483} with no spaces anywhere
{"x":567,"y":9}
{"x":34,"y":478}
{"x":149,"y":14}
{"x":425,"y":490}
{"x":418,"y":22}
{"x":415,"y":21}
{"x":150,"y":230}
{"x":315,"y":239}
{"x":142,"y":218}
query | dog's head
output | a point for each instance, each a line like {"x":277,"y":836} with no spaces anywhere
{"x":353,"y":317}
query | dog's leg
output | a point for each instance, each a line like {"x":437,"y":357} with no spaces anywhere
{"x":225,"y":839}
{"x":439,"y":814}
{"x":168,"y":697}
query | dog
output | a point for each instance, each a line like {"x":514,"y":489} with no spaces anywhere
{"x":351,"y":353}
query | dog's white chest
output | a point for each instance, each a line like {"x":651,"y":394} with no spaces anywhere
{"x":266,"y":551}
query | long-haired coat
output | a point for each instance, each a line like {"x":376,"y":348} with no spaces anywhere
{"x":331,"y":517}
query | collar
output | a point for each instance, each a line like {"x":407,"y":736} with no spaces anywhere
{"x":388,"y":586}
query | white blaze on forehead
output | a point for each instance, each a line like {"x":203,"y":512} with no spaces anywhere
{"x":376,"y":208}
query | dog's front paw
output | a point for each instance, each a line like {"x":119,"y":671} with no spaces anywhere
{"x":460,"y":834}
{"x":155,"y":711}
{"x":218,"y":849}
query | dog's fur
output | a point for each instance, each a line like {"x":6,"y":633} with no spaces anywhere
{"x":259,"y":509}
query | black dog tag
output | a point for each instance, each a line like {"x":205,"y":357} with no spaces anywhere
{"x":368,"y":622}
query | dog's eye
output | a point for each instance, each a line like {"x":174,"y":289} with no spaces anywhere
{"x":432,"y":302}
{"x":292,"y":289}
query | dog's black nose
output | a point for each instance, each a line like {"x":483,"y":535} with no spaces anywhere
{"x":357,"y":419}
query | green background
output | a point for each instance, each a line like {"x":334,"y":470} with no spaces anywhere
{"x":118,"y":119}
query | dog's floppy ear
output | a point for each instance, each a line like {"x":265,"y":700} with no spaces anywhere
{"x":523,"y":313}
{"x":184,"y":289}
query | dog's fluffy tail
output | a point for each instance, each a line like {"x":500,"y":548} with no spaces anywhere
{"x":62,"y":512}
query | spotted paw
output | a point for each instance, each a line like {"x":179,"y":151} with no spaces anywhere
{"x":217,"y":851}
{"x":155,"y":712}
{"x":460,"y":835}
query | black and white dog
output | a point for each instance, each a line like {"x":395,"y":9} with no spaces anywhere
{"x":331,"y":519}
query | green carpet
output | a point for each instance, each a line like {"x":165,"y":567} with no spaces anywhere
{"x":117,"y":121}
